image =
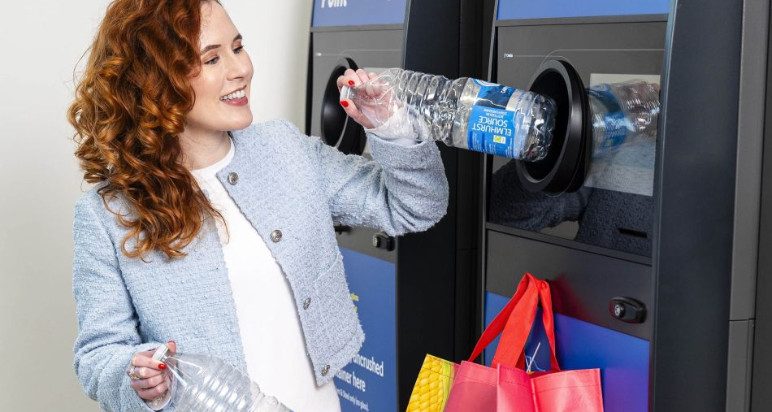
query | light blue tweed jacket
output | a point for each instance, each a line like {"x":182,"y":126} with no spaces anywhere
{"x":286,"y":181}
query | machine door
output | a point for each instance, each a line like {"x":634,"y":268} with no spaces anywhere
{"x":365,"y":34}
{"x":410,"y":292}
{"x":612,"y":204}
{"x":592,"y":238}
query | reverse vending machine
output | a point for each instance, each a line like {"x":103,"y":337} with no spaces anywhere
{"x":644,"y":217}
{"x":414,"y":294}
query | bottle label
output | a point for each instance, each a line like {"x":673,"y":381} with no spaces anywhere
{"x":615,"y":123}
{"x":493,"y":95}
{"x":492,"y":129}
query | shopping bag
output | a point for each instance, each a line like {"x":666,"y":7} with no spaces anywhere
{"x":432,"y":385}
{"x":506,"y":386}
{"x":578,"y":390}
{"x":476,"y":384}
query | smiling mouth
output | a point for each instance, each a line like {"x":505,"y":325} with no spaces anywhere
{"x":236,"y":95}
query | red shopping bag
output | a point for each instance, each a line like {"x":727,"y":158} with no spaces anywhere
{"x":506,"y":387}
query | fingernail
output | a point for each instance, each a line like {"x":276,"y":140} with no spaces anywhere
{"x":161,"y":366}
{"x":344,"y":103}
{"x":350,"y":82}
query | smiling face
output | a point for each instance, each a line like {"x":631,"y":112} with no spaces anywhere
{"x":223,"y":84}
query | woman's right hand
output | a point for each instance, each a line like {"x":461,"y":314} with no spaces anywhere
{"x":376,"y":97}
{"x":150,"y":379}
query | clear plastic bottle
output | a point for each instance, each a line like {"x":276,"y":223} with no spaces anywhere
{"x":621,"y":111}
{"x":465,"y":113}
{"x":206,"y":383}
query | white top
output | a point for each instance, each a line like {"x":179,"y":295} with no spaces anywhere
{"x":271,"y":336}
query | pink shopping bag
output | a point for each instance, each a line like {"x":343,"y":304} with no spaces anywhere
{"x":506,"y":387}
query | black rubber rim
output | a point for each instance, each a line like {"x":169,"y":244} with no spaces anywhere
{"x":565,"y":166}
{"x":336,"y":128}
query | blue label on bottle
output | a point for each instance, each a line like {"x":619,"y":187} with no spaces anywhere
{"x":493,"y":95}
{"x":492,"y":129}
{"x":615,"y":123}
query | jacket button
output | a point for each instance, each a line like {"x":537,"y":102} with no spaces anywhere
{"x":233,"y":178}
{"x":306,"y":303}
{"x":276,"y":236}
{"x":325,"y":370}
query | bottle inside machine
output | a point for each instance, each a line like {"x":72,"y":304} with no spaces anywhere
{"x":621,"y":112}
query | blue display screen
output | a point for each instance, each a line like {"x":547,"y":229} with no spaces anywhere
{"x":623,"y":359}
{"x":358,"y":12}
{"x":369,"y":382}
{"x":545,"y":9}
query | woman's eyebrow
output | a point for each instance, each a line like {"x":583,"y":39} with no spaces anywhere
{"x":214,"y":46}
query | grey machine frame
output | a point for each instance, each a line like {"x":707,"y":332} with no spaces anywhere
{"x":711,"y":272}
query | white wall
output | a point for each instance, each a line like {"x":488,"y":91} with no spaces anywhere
{"x":40,"y":42}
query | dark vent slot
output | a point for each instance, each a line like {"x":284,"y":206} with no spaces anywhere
{"x":631,"y":232}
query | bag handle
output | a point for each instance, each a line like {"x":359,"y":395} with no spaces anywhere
{"x":511,"y":347}
{"x":497,"y":324}
{"x":514,"y":323}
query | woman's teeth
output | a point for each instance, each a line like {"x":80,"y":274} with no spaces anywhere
{"x":235,"y":95}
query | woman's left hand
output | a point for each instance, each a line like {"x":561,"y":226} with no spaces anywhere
{"x":149,"y":377}
{"x":353,"y":79}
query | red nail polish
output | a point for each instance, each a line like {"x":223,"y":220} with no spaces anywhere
{"x":350,"y":82}
{"x":344,"y":103}
{"x":161,"y":366}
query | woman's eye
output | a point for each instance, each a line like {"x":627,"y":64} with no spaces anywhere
{"x":213,"y":60}
{"x":238,"y":50}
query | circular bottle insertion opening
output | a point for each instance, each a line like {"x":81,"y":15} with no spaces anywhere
{"x":337,"y":129}
{"x":564,"y":167}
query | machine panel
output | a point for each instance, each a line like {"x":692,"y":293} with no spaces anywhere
{"x":358,"y":13}
{"x":614,"y":208}
{"x":622,"y":359}
{"x":527,"y":9}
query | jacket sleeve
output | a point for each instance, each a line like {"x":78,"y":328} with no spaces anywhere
{"x":107,"y":325}
{"x":402,"y":189}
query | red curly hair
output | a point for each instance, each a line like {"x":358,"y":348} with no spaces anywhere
{"x":129,"y":109}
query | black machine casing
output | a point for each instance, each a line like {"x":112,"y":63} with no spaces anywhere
{"x":436,"y":306}
{"x":704,"y":282}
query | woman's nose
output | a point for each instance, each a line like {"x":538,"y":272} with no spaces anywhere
{"x":239,"y":67}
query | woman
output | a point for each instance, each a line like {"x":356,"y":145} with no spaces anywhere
{"x":213,"y":232}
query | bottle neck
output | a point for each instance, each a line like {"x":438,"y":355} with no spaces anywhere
{"x":162,"y":353}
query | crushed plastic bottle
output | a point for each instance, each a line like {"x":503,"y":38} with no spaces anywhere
{"x":621,"y":111}
{"x":465,"y":113}
{"x":206,"y":383}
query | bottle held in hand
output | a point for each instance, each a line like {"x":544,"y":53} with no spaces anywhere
{"x":465,"y":113}
{"x":207,"y":383}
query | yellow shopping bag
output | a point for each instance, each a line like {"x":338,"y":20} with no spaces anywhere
{"x":432,"y":385}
